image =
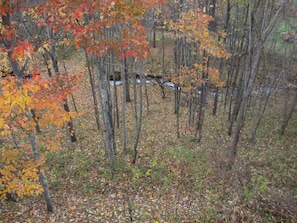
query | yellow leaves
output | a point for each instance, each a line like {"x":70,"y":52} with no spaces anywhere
{"x":188,"y":78}
{"x":191,"y":78}
{"x":194,"y":27}
{"x":46,"y":98}
{"x":2,"y":121}
{"x":214,"y":76}
{"x":5,"y":68}
{"x":10,"y":156}
{"x":19,"y":100}
{"x":193,"y":24}
{"x":19,"y":173}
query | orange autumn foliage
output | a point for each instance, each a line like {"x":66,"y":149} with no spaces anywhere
{"x":19,"y":171}
{"x":193,"y":27}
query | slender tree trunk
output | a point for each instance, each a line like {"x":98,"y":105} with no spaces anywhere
{"x":239,"y":46}
{"x":267,"y":27}
{"x":124,"y":106}
{"x":226,"y":27}
{"x":70,"y":123}
{"x":115,"y":98}
{"x":126,"y":86}
{"x":237,"y":104}
{"x":287,"y":96}
{"x":18,"y":73}
{"x":247,"y":72}
{"x":42,"y":176}
{"x":109,"y":67}
{"x":177,"y":93}
{"x":163,"y":65}
{"x":202,"y":109}
{"x":105,"y":101}
{"x":95,"y":100}
{"x":216,"y":98}
{"x":210,"y":8}
{"x":35,"y":119}
{"x":190,"y":105}
{"x":215,"y":103}
{"x":260,"y":116}
{"x":242,"y":47}
{"x":204,"y":90}
{"x":53,"y":55}
{"x":139,"y":118}
{"x":194,"y":106}
{"x":288,"y":116}
{"x":147,"y":99}
{"x":154,"y":34}
{"x":49,"y":72}
{"x":72,"y":98}
{"x":135,"y":97}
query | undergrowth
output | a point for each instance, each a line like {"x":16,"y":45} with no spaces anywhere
{"x":174,"y":180}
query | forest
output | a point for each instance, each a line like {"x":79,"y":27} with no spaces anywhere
{"x":148,"y":111}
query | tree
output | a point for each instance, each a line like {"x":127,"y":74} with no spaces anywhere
{"x":255,"y":46}
{"x":105,"y":30}
{"x":26,"y":104}
{"x":23,"y":167}
{"x":195,"y":43}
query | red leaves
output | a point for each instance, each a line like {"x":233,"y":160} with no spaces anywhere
{"x":78,"y":14}
{"x":20,"y":171}
{"x":24,"y":48}
{"x":134,"y":43}
{"x":93,"y":31}
{"x":43,"y":96}
{"x":8,"y":33}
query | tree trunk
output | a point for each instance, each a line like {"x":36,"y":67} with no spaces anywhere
{"x":177,"y":93}
{"x":226,"y":27}
{"x":203,"y":94}
{"x":53,"y":55}
{"x":45,"y":58}
{"x":124,"y":106}
{"x":237,"y":104}
{"x":147,"y":99}
{"x":106,"y":106}
{"x":250,"y":71}
{"x":139,"y":118}
{"x":115,"y":94}
{"x":288,"y":116}
{"x":248,"y":88}
{"x":202,"y":109}
{"x":42,"y":176}
{"x":18,"y":73}
{"x":163,"y":66}
{"x":70,"y":127}
{"x":126,"y":85}
{"x":95,"y":102}
{"x":215,"y":103}
{"x":260,"y":116}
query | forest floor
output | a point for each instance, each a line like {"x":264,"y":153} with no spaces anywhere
{"x":173,"y":180}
